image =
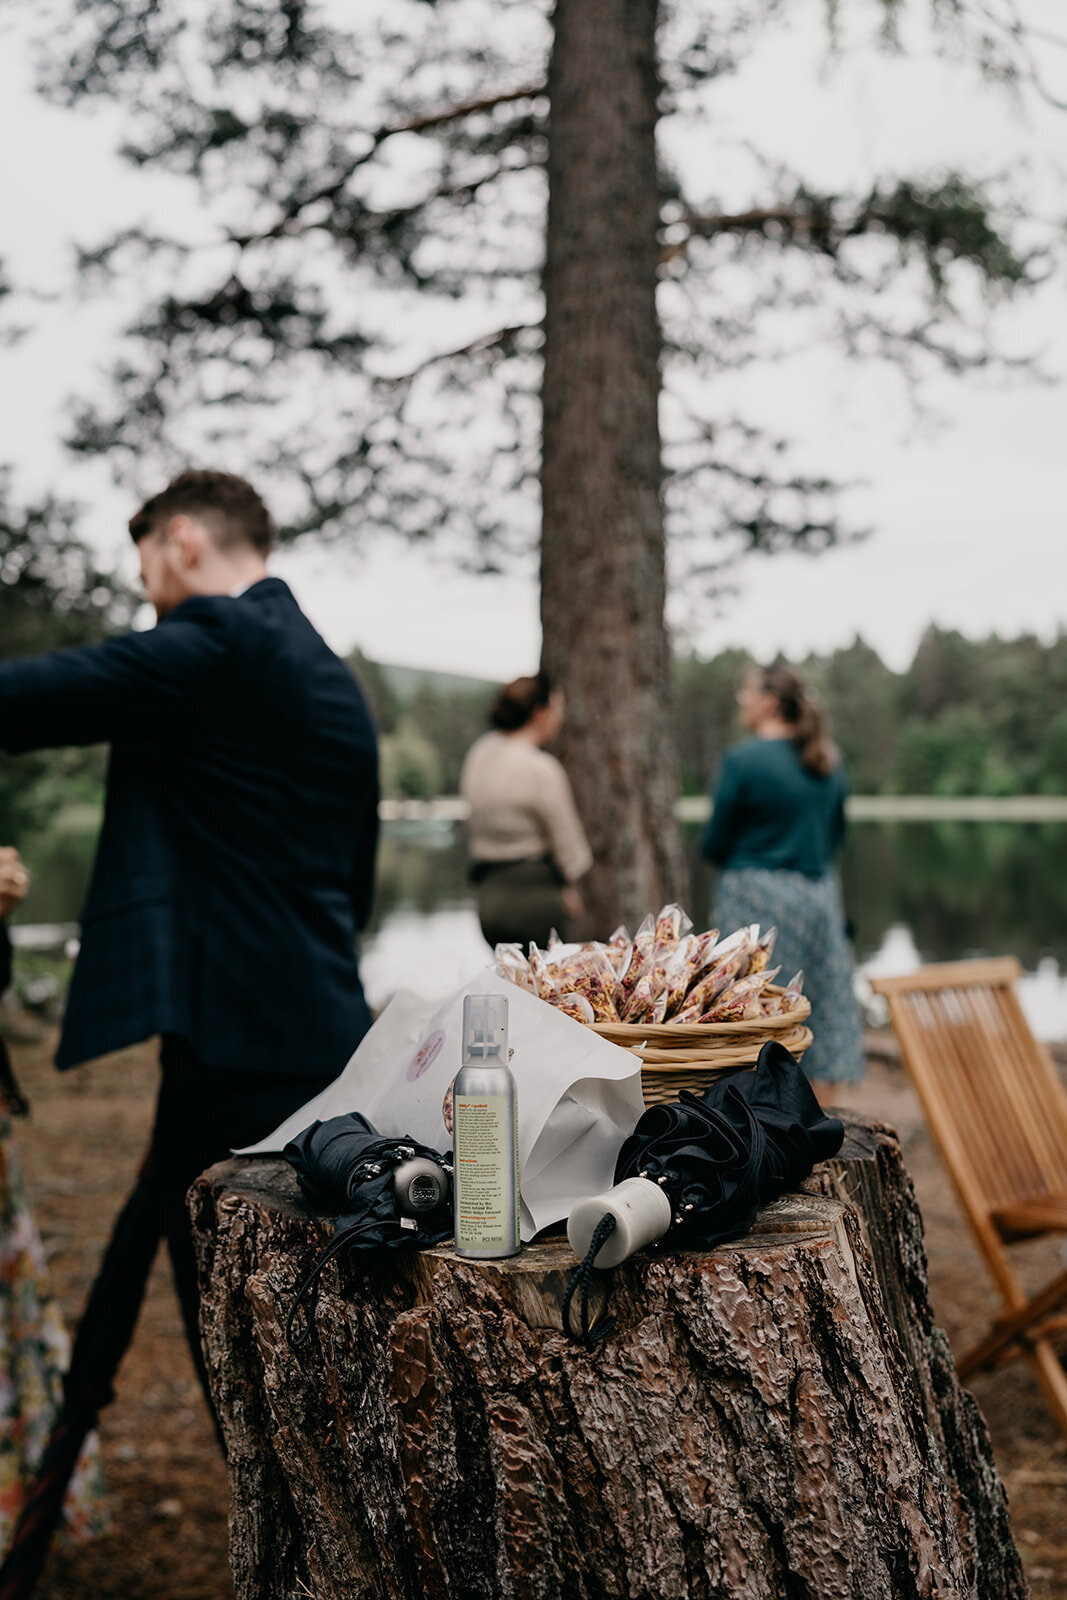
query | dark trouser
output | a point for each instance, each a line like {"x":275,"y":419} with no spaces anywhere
{"x":202,"y":1114}
{"x":519,"y":901}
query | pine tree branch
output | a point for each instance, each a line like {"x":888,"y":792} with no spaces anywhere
{"x":365,"y":224}
{"x":421,"y":124}
{"x":1023,"y":34}
{"x":476,"y":347}
{"x":711,"y":225}
{"x":950,"y":221}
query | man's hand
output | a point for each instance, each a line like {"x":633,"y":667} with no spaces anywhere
{"x":14,"y":880}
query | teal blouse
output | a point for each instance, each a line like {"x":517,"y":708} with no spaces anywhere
{"x":769,"y":812}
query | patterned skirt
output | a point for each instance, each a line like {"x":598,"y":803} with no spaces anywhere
{"x":811,"y":935}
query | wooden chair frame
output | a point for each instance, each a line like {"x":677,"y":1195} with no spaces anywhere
{"x":998,"y":1113}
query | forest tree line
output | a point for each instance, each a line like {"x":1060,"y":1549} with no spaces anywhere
{"x":967,"y":717}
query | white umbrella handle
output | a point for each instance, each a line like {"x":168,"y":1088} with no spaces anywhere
{"x":642,"y":1214}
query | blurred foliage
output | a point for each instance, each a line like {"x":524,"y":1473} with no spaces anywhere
{"x":381,"y":696}
{"x":426,"y":722}
{"x":52,"y":595}
{"x":968,"y":717}
{"x":60,"y":859}
{"x":410,"y":764}
{"x":452,"y":720}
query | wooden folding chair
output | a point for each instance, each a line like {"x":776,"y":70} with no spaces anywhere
{"x":998,"y":1112}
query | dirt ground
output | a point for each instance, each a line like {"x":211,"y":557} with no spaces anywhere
{"x":168,"y":1491}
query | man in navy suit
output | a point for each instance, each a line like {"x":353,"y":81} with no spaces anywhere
{"x":236,"y":863}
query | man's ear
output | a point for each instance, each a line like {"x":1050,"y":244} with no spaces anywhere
{"x":187,"y":539}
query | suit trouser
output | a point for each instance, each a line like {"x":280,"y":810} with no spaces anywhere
{"x":202,"y":1114}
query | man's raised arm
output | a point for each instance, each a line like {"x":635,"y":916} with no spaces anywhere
{"x":116,"y":690}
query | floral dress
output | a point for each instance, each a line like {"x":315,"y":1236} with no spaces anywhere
{"x":34,"y":1352}
{"x":811,"y":937}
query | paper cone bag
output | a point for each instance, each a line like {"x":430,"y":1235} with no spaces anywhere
{"x":579,"y":1096}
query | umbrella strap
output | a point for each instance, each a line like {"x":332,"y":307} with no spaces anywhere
{"x":309,"y":1289}
{"x":582,"y":1279}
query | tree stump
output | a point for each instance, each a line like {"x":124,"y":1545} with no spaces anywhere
{"x":778,"y":1417}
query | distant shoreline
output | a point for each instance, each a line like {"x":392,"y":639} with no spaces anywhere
{"x":443,"y":810}
{"x":861,"y":808}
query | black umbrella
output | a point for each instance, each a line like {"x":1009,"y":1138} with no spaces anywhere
{"x":718,"y":1157}
{"x":386,"y":1193}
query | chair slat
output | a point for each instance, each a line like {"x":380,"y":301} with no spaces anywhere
{"x":993,"y":1077}
{"x":994,"y":970}
{"x":996,"y":1085}
{"x":951,"y":1063}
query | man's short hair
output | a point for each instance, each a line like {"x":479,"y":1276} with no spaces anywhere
{"x":230,"y":507}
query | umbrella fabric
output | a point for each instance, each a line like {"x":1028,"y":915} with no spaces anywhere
{"x":797,"y":1132}
{"x":744,"y":1142}
{"x":345,"y":1167}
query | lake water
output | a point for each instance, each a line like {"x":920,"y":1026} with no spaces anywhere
{"x":914,"y":892}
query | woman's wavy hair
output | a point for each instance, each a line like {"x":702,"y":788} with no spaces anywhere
{"x":802,"y":709}
{"x":518,"y":700}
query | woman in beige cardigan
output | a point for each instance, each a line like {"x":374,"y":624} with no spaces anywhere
{"x":527,"y":845}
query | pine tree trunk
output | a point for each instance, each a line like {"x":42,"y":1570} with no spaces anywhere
{"x":774,"y":1418}
{"x":602,"y":552}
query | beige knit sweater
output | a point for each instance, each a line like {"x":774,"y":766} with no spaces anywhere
{"x":521,"y":806}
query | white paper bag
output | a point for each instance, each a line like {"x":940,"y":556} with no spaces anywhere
{"x":579,"y":1096}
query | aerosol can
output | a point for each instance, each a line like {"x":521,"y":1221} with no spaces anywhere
{"x":486,"y":1135}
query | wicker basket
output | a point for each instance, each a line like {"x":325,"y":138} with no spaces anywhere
{"x":690,"y":1055}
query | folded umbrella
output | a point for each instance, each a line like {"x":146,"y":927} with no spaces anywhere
{"x":717,"y":1158}
{"x":720,"y":1156}
{"x":385,"y":1192}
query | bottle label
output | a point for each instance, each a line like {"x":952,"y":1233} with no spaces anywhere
{"x":486,"y":1214}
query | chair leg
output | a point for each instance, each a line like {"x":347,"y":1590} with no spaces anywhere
{"x":1012,"y":1325}
{"x":1050,"y":1371}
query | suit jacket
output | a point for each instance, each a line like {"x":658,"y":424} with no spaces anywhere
{"x":236,"y":861}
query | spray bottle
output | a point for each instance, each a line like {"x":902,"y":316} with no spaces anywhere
{"x":486,"y":1134}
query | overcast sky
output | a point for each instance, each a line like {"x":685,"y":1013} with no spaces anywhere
{"x":966,"y":498}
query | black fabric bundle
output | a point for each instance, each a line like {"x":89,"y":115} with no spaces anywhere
{"x":720,"y":1156}
{"x":346,"y":1167}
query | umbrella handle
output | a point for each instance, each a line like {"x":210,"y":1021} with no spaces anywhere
{"x":642,"y":1213}
{"x":606,"y":1229}
{"x":582,"y":1279}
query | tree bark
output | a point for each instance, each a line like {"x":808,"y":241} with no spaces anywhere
{"x":765,"y":1421}
{"x":602,"y":549}
{"x":870,"y":1175}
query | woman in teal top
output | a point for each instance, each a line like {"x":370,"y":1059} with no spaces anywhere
{"x":777,"y":822}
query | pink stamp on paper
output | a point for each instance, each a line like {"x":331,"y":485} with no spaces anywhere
{"x":426,"y":1055}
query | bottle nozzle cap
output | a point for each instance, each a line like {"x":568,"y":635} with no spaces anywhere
{"x":485,"y":1027}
